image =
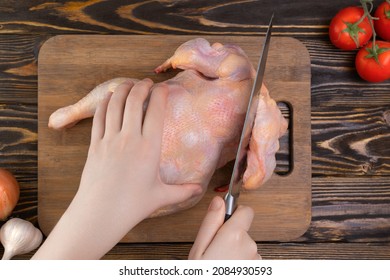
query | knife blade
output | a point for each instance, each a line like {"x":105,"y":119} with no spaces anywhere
{"x":241,"y":156}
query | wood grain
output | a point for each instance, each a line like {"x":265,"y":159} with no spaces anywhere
{"x":165,"y":16}
{"x":269,"y":251}
{"x":18,"y":69}
{"x":342,"y":106}
{"x":350,"y":210}
{"x":351,"y":141}
{"x":283,"y":204}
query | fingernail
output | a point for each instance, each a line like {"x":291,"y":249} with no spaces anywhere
{"x":215,"y":204}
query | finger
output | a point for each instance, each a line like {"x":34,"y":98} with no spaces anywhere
{"x":155,"y":114}
{"x":231,"y":244}
{"x":99,"y":120}
{"x":211,"y":223}
{"x":116,"y":106}
{"x":241,"y":218}
{"x":251,"y":251}
{"x":133,"y":115}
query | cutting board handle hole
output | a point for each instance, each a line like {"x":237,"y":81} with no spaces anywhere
{"x":284,"y":155}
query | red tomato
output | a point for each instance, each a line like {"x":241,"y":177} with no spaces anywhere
{"x":382,"y":25}
{"x":342,"y":30}
{"x":368,"y":68}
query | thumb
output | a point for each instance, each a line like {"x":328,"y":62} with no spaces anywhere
{"x":211,"y":224}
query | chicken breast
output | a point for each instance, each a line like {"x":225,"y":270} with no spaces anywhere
{"x":206,"y":108}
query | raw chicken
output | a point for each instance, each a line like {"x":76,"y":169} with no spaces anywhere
{"x":204,"y":117}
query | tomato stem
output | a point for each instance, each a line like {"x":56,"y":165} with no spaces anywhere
{"x":367,"y":13}
{"x":353,"y":29}
{"x":387,"y":12}
{"x":375,"y":50}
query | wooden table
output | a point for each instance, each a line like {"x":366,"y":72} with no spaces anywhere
{"x":350,"y":118}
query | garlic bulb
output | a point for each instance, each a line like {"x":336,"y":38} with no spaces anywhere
{"x":19,"y":237}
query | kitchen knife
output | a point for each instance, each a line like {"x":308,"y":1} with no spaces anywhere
{"x":241,"y":156}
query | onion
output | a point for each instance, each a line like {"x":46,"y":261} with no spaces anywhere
{"x":9,"y":193}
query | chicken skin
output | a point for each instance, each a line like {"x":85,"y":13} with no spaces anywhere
{"x":204,"y":117}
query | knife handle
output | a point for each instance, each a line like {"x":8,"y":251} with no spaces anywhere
{"x":227,"y":217}
{"x":230,"y":206}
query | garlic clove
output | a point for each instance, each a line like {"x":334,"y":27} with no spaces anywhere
{"x":19,"y":237}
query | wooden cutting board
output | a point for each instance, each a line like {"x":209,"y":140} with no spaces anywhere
{"x":71,"y":65}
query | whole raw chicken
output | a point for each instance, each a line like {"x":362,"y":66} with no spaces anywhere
{"x":204,"y":117}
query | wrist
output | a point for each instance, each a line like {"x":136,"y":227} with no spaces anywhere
{"x":89,"y":228}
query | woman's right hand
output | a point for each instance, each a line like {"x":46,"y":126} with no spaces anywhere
{"x":230,"y":240}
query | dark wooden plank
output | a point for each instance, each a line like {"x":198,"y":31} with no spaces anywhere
{"x":18,"y":68}
{"x":18,"y":140}
{"x":269,"y":251}
{"x":351,"y":141}
{"x":350,"y":210}
{"x":335,"y":81}
{"x":174,"y":17}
